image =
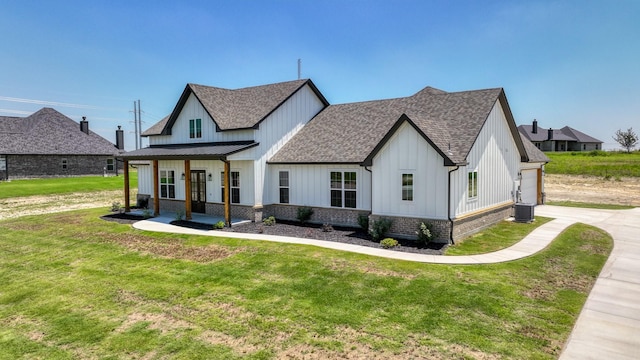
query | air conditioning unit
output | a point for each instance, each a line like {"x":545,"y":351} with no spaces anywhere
{"x":524,"y":212}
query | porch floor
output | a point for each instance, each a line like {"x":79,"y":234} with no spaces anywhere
{"x":168,"y":217}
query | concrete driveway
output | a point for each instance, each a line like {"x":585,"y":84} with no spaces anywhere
{"x":609,"y":325}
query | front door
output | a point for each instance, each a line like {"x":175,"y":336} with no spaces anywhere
{"x":198,"y":191}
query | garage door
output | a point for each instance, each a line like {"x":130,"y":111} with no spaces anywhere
{"x":529,"y":186}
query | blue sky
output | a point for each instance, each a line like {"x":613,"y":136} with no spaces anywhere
{"x":574,"y":63}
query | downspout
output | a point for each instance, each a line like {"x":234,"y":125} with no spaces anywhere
{"x":449,"y":204}
{"x":370,"y":187}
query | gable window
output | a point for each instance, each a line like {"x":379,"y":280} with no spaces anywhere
{"x":343,"y":189}
{"x":64,"y":164}
{"x":235,"y":187}
{"x":472,"y":191}
{"x":283,"y":182}
{"x":167,"y":184}
{"x":195,"y":128}
{"x":110,"y":166}
{"x":407,"y":187}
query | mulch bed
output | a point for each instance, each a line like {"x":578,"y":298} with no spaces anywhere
{"x":348,"y":235}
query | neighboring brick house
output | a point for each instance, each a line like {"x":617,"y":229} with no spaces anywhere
{"x":565,"y":139}
{"x":452,"y":159}
{"x":49,"y":144}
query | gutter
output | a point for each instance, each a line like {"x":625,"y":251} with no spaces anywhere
{"x":449,"y":204}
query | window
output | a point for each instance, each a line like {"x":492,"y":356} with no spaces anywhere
{"x":284,"y":187}
{"x":235,"y":187}
{"x":64,"y":164}
{"x":167,"y":184}
{"x":407,"y":187}
{"x":195,"y":128}
{"x":472,"y":191}
{"x":343,"y":189}
{"x":110,"y":166}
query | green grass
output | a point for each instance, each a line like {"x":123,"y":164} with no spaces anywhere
{"x":75,"y":286}
{"x":500,"y":236}
{"x":606,"y":164}
{"x":19,"y":188}
{"x":590,"y":205}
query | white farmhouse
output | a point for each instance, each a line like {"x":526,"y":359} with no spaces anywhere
{"x":452,"y":159}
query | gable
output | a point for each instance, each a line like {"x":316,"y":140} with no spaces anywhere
{"x":238,"y":109}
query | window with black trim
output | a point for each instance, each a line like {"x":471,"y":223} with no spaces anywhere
{"x":343,"y":189}
{"x":110,"y":164}
{"x":64,"y":164}
{"x":195,"y":128}
{"x":283,"y":183}
{"x":472,"y":189}
{"x":407,"y":187}
{"x":167,"y":184}
{"x":235,"y":187}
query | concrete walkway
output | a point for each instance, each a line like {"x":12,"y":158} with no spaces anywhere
{"x":608,"y":326}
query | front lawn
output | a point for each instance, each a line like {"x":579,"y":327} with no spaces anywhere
{"x":494,"y":238}
{"x":75,"y":286}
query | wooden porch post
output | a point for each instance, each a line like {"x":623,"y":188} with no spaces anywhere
{"x":227,"y":192}
{"x":156,"y":190}
{"x":187,"y":189}
{"x":127,"y":200}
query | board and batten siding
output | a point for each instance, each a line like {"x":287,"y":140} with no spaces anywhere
{"x":275,"y":131}
{"x":310,"y":185}
{"x":213,"y":186}
{"x":407,"y":152}
{"x":193,"y":109}
{"x":496,"y":158}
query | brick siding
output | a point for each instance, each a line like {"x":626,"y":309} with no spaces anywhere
{"x":42,"y":166}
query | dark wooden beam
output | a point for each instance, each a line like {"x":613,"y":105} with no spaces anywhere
{"x":156,"y":190}
{"x":187,"y":189}
{"x":127,"y":200}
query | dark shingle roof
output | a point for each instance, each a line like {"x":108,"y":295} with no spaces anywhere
{"x":235,"y":109}
{"x":564,"y":134}
{"x":352,"y":133}
{"x":534,"y":154}
{"x":48,"y":132}
{"x":189,"y":151}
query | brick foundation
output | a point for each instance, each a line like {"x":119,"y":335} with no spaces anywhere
{"x":468,"y":225}
{"x":333,"y":216}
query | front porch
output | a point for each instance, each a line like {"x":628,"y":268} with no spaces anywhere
{"x":166,"y":217}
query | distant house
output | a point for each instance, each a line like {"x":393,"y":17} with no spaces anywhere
{"x":49,"y":144}
{"x":565,"y":139}
{"x":454,"y":160}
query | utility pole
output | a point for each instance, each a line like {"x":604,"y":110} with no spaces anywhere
{"x":299,"y":68}
{"x":135,"y":123}
{"x":139,"y":125}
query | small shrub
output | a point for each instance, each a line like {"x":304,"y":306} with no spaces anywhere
{"x":327,"y":227}
{"x":379,"y":228}
{"x":179,"y":215}
{"x":146,"y":213}
{"x":218,"y":225}
{"x":425,"y":235}
{"x":363,"y":221}
{"x":304,"y":214}
{"x":270,"y":221}
{"x":389,"y":243}
{"x":115,"y":206}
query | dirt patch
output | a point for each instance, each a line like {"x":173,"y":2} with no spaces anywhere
{"x":45,"y":204}
{"x":625,"y":191}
